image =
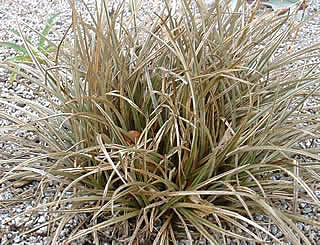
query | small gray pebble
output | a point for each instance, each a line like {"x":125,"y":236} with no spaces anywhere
{"x":259,"y":217}
{"x":17,"y":239}
{"x":307,"y":210}
{"x":303,"y":205}
{"x":42,"y":219}
{"x":20,"y":104}
{"x":300,"y":225}
{"x":42,"y":230}
{"x":274,"y":229}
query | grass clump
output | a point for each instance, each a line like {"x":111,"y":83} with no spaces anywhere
{"x":177,"y":130}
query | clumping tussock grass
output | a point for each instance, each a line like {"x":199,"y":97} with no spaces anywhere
{"x":186,"y":127}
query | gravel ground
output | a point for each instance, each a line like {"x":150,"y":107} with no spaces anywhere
{"x":35,"y":12}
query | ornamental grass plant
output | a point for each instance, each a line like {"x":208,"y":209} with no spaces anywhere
{"x":185,"y":127}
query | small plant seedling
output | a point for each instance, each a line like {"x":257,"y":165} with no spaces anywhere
{"x":44,"y":47}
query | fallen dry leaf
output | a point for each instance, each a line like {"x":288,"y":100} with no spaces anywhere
{"x":135,"y":134}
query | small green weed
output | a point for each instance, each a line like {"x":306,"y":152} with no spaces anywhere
{"x":43,"y":49}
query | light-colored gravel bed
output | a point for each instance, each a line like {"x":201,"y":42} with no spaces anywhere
{"x":35,"y":13}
